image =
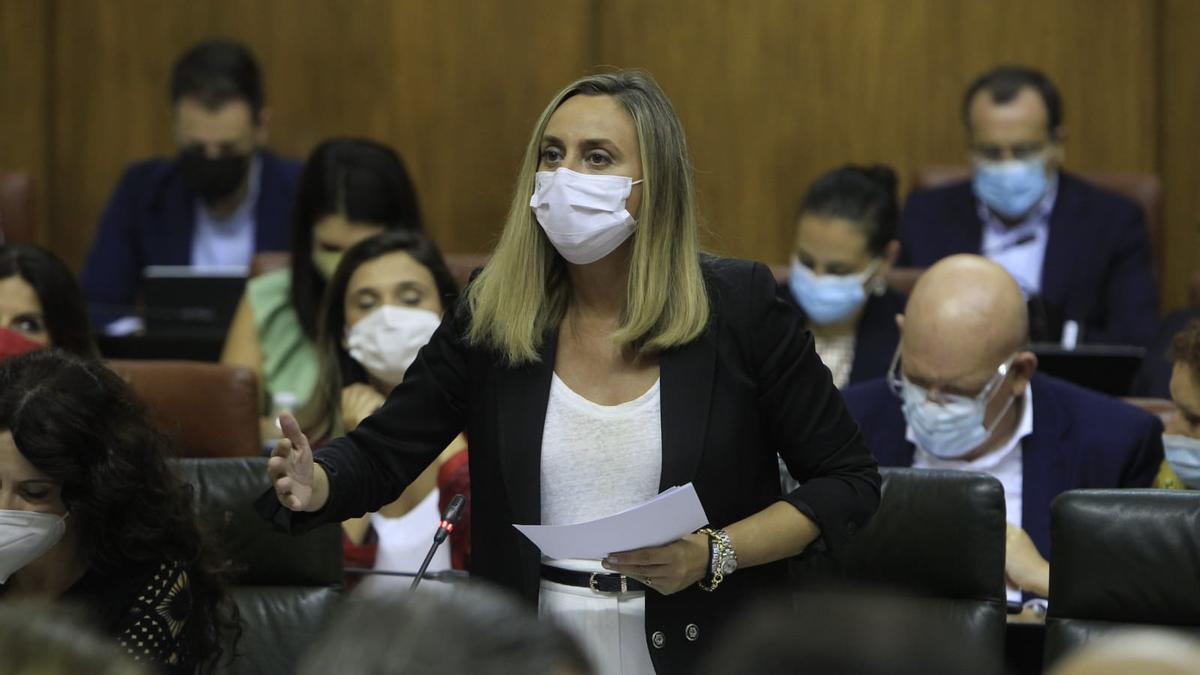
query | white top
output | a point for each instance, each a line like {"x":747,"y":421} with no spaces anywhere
{"x":837,"y":353}
{"x":228,"y":242}
{"x":1020,"y":249}
{"x":1004,"y":463}
{"x":403,"y":543}
{"x":598,"y":459}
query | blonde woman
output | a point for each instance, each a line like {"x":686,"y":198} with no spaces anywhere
{"x":598,"y":359}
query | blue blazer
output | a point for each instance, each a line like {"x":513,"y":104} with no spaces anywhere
{"x":150,"y":220}
{"x":1097,"y":272}
{"x":876,"y":336}
{"x":1080,"y":440}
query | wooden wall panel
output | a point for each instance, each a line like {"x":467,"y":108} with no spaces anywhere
{"x":775,"y":92}
{"x":25,"y":96}
{"x":1180,"y":139}
{"x":454,"y":86}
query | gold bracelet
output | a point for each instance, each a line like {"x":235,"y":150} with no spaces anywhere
{"x":719,"y":551}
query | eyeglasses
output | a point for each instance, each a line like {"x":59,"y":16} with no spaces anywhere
{"x":897,"y":381}
{"x":991,"y":152}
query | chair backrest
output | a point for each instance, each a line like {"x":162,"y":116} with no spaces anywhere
{"x":462,"y":265}
{"x":939,"y":535}
{"x":286,"y":586}
{"x":1143,"y":188}
{"x":1122,"y":557}
{"x":1162,"y":408}
{"x":211,"y":410}
{"x":16,"y":207}
{"x":267,"y":261}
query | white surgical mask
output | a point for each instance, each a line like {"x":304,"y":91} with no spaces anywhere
{"x":25,"y":536}
{"x":1183,"y":454}
{"x":828,"y":298}
{"x":582,"y":214}
{"x":951,"y":427}
{"x":387,"y":340}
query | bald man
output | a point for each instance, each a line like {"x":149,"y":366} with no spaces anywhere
{"x":964,"y":394}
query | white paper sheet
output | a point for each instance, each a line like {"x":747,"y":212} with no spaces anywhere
{"x":662,"y":520}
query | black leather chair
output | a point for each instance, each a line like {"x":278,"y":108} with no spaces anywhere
{"x":939,"y":536}
{"x":285,"y":586}
{"x":1122,"y":559}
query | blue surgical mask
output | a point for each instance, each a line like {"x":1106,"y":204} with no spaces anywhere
{"x":952,"y":426}
{"x":1010,"y":188}
{"x":1183,"y":454}
{"x":829,"y":298}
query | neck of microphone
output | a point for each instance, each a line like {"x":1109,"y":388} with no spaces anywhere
{"x":449,"y":519}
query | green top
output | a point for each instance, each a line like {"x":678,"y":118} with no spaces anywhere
{"x":290,"y":364}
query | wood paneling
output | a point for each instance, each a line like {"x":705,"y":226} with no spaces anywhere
{"x":772,"y":92}
{"x":775,"y":92}
{"x":453,"y":86}
{"x":24,"y":96}
{"x":1180,"y":138}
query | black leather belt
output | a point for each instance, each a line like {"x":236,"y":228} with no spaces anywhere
{"x":600,"y":582}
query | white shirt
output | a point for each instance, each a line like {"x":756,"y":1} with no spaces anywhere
{"x":1020,"y":249}
{"x":1004,"y":463}
{"x":837,"y":354}
{"x":228,"y":242}
{"x":598,"y":459}
{"x":403,"y":543}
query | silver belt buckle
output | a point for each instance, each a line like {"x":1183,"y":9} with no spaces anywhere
{"x":596,"y":589}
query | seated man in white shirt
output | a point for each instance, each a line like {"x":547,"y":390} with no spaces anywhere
{"x":963,"y":393}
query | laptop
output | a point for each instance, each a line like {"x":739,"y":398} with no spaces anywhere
{"x":1108,"y":369}
{"x":181,"y":300}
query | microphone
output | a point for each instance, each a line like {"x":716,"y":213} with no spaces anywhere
{"x":449,"y":520}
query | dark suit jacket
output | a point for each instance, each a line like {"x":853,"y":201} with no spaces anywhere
{"x":875,"y":338}
{"x":1080,"y":440}
{"x":1097,"y":272}
{"x":150,"y":220}
{"x":749,"y":386}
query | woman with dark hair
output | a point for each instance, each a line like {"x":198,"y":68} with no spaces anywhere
{"x":40,"y":304}
{"x":845,"y":244}
{"x":349,"y":190}
{"x":383,"y":303}
{"x":91,"y":514}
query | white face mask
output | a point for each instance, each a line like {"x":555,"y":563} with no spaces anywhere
{"x":951,"y":427}
{"x":1183,"y":454}
{"x":25,"y":536}
{"x":583,"y":214}
{"x":387,"y":340}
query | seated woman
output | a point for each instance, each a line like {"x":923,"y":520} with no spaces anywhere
{"x":349,"y":190}
{"x":40,"y":304}
{"x":91,"y":514}
{"x":383,"y":304}
{"x":845,"y":244}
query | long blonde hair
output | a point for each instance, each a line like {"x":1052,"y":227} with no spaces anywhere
{"x":524,"y":291}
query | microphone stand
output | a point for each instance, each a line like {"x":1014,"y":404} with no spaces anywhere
{"x":449,"y":520}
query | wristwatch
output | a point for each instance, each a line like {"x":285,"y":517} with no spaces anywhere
{"x":722,"y":558}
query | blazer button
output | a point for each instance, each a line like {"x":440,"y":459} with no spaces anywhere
{"x":692,"y":632}
{"x":658,"y":639}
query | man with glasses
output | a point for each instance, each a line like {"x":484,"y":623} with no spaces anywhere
{"x":1081,"y":255}
{"x":964,"y":394}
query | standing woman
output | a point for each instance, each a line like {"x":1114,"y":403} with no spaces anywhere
{"x":597,"y":360}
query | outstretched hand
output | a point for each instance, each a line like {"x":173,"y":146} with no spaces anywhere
{"x":291,"y":468}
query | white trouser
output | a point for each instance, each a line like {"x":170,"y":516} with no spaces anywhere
{"x":611,"y":627}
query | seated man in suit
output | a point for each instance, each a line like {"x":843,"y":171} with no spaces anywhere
{"x":1080,"y":254}
{"x":221,"y":200}
{"x":964,"y":394}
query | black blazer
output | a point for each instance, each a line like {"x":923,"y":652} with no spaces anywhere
{"x":748,"y":387}
{"x":1097,"y":272}
{"x":876,"y":336}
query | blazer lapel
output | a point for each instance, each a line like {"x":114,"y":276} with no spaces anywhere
{"x":1064,"y":240}
{"x":966,"y":211}
{"x":686,"y":381}
{"x":524,"y":394}
{"x":1041,"y":466}
{"x":178,"y":228}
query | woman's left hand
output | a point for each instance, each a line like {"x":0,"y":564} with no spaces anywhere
{"x":666,"y":569}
